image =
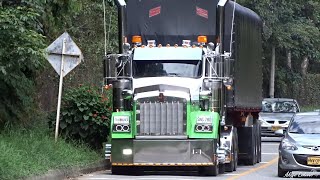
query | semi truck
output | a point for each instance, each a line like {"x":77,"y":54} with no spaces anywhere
{"x":186,"y":86}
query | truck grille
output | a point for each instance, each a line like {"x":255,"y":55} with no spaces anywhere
{"x":161,"y":118}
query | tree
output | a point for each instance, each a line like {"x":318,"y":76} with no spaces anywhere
{"x":290,"y":27}
{"x":21,"y":56}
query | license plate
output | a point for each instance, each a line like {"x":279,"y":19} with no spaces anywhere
{"x":313,"y":160}
{"x":274,"y":128}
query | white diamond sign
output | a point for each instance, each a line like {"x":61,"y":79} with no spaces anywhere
{"x":72,"y":55}
{"x":64,"y":55}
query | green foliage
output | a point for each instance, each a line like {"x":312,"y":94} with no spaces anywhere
{"x":27,"y":152}
{"x":85,"y":115}
{"x":21,"y":56}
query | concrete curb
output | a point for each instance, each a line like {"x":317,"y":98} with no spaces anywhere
{"x":72,"y":171}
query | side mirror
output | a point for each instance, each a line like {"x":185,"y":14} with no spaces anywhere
{"x":279,"y":132}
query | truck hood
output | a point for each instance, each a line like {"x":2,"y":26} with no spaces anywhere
{"x":193,"y":85}
{"x":275,"y":116}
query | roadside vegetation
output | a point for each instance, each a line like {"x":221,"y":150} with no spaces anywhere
{"x":32,"y":151}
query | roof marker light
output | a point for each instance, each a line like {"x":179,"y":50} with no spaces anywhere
{"x":151,"y":43}
{"x":136,"y":39}
{"x":186,"y":43}
{"x":202,"y":39}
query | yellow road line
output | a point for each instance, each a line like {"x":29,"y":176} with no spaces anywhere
{"x":254,"y":169}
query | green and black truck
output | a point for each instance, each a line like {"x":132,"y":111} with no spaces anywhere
{"x":187,"y":86}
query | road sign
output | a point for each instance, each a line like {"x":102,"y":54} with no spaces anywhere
{"x":64,"y":55}
{"x":72,"y":55}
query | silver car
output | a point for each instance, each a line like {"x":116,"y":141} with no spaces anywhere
{"x":299,"y":150}
{"x":276,"y":114}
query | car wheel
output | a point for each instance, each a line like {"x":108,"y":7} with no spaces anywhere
{"x":281,"y":172}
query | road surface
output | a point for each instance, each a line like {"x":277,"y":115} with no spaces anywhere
{"x":265,"y":170}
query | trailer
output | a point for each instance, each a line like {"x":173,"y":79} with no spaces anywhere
{"x":187,"y":86}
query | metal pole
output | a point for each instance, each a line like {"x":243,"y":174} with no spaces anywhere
{"x":60,"y":89}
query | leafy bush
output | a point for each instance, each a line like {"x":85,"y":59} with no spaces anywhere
{"x":85,"y":115}
{"x":21,"y":56}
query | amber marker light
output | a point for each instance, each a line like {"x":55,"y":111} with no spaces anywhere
{"x":136,"y":39}
{"x":202,"y":39}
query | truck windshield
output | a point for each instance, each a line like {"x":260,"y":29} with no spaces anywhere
{"x":178,"y":68}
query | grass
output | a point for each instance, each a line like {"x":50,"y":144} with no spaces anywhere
{"x":309,"y":108}
{"x":27,"y":152}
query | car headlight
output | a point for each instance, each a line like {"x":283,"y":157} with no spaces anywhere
{"x":121,"y":124}
{"x":287,"y":145}
{"x":204,"y":124}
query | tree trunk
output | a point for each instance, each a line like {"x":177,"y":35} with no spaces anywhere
{"x":304,"y":65}
{"x":289,"y":62}
{"x":272,"y":72}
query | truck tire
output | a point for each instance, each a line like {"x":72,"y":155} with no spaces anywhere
{"x":253,"y":158}
{"x":236,"y":150}
{"x":232,"y":166}
{"x":258,"y":132}
{"x":222,"y":168}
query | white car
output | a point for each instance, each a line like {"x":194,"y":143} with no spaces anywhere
{"x":276,"y":115}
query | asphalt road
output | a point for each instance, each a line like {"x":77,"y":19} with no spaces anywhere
{"x":265,"y":170}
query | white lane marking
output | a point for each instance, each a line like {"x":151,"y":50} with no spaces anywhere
{"x":230,"y":174}
{"x":263,"y":162}
{"x":97,"y":178}
{"x":270,"y":153}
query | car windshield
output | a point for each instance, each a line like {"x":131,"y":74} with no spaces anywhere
{"x":179,"y":68}
{"x":309,"y":125}
{"x":279,"y":106}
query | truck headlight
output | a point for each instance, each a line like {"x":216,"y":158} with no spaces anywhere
{"x":121,"y":124}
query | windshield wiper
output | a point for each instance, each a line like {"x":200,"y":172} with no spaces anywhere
{"x":312,"y":133}
{"x":173,"y":74}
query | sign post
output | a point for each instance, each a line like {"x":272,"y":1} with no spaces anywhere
{"x":64,"y":55}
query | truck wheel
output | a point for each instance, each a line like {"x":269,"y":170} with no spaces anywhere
{"x":232,"y":166}
{"x":259,"y":143}
{"x":222,"y":168}
{"x":236,"y":149}
{"x":253,"y":158}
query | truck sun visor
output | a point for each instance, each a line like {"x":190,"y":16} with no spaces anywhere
{"x":168,"y":53}
{"x":169,"y":21}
